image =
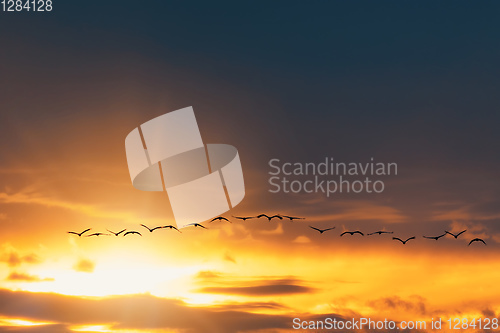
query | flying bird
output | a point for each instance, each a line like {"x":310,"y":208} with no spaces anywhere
{"x":321,"y":231}
{"x":403,"y":241}
{"x":477,"y":240}
{"x":220,"y":218}
{"x":79,"y":234}
{"x":456,"y":236}
{"x":171,"y":227}
{"x":436,"y":237}
{"x":270,"y":217}
{"x":244,"y":218}
{"x":352,"y":233}
{"x":98,"y":234}
{"x":151,"y":230}
{"x":381,"y":232}
{"x":291,"y":218}
{"x":197,"y":225}
{"x":116,"y":233}
{"x":131,"y":233}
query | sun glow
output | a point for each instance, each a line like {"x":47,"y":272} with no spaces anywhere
{"x":21,"y":322}
{"x":117,"y":280}
{"x":91,"y":328}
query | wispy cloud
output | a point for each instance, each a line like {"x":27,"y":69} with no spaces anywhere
{"x":84,"y":265}
{"x":13,"y":258}
{"x":31,"y":197}
{"x":276,"y":231}
{"x":261,"y":290}
{"x":229,"y":257}
{"x":414,"y":304}
{"x":217,"y":283}
{"x":24,"y":277}
{"x":302,"y":240}
{"x":361,"y":211}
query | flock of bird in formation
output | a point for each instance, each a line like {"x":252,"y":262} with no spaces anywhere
{"x":277,"y":216}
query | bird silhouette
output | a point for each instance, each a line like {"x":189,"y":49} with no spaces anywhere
{"x":79,"y":234}
{"x":436,"y":237}
{"x":131,"y":233}
{"x":244,"y":218}
{"x":151,"y":230}
{"x":321,"y":231}
{"x":269,"y":218}
{"x":403,"y":241}
{"x":116,"y":233}
{"x":477,"y":240}
{"x":456,"y":236}
{"x":98,"y":234}
{"x":171,"y":227}
{"x":291,"y":218}
{"x":197,"y":225}
{"x":220,"y":218}
{"x":381,"y":232}
{"x":352,"y":233}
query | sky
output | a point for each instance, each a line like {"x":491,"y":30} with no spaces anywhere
{"x":410,"y":83}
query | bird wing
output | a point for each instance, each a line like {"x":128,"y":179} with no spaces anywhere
{"x":84,"y":231}
{"x":121,"y":232}
{"x":217,"y":218}
{"x":461,"y":232}
{"x":410,"y":238}
{"x":315,"y":228}
{"x":329,"y":229}
{"x":72,"y":232}
{"x":449,"y":233}
{"x":277,"y":216}
{"x":477,"y":240}
{"x":345,"y":232}
{"x":223,"y":218}
{"x":202,"y":226}
{"x":359,"y":232}
{"x":428,"y":237}
{"x":146,"y":227}
{"x":262,"y":215}
{"x":399,"y":239}
{"x":155,"y":228}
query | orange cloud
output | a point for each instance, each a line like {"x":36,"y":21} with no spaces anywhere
{"x":229,"y":257}
{"x":14,"y":258}
{"x":23,"y":277}
{"x":84,"y":265}
{"x":256,"y":286}
{"x":302,"y":240}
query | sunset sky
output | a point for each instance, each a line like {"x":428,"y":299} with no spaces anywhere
{"x":416,"y":84}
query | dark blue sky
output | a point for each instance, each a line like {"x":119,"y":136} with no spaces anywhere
{"x":365,"y":67}
{"x":409,"y":82}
